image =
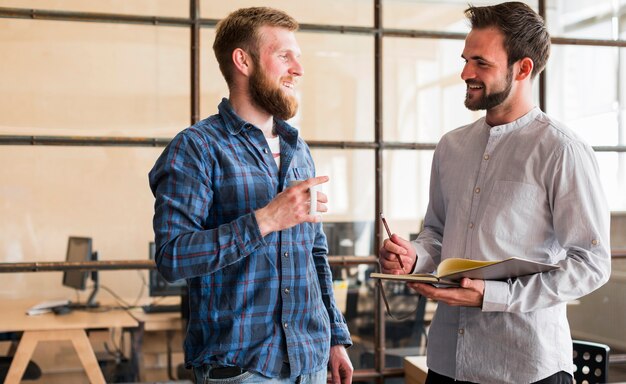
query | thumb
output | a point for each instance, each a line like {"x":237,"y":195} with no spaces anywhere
{"x":466,"y":282}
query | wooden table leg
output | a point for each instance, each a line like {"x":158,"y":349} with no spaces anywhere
{"x":79,"y":340}
{"x":21,"y":358}
{"x":87,"y":357}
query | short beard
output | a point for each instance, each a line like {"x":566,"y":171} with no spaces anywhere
{"x":270,"y":97}
{"x":492,"y":100}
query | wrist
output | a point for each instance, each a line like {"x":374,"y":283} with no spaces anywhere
{"x":263,"y":221}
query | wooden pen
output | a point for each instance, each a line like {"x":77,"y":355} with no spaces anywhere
{"x":382,"y":218}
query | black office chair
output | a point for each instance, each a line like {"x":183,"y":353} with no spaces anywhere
{"x":591,"y":362}
{"x":32,"y":372}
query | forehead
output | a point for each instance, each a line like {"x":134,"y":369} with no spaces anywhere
{"x":273,"y":39}
{"x":487,"y":43}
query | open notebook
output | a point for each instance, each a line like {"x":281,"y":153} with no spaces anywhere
{"x":451,"y":271}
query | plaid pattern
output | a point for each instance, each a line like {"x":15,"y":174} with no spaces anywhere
{"x":255,"y":302}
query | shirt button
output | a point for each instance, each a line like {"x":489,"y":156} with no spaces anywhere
{"x":286,"y":291}
{"x":265,"y":150}
{"x":471,"y":225}
{"x":594,"y":242}
{"x":477,"y":190}
{"x":286,"y":325}
{"x":461,"y":331}
{"x":486,"y":157}
{"x":286,"y":254}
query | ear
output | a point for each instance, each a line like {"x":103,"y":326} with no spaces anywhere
{"x":524,"y":68}
{"x":242,"y":61}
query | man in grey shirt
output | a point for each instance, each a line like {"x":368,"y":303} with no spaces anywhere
{"x":513,"y":183}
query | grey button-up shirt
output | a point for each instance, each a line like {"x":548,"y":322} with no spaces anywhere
{"x":528,"y":189}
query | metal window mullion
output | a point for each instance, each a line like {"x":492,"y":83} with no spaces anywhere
{"x":194,"y":13}
{"x":379,"y":317}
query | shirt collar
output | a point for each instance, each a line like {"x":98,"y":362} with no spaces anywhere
{"x":232,"y":122}
{"x":514,"y":125}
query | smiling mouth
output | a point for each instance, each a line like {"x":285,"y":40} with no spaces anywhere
{"x":474,"y":87}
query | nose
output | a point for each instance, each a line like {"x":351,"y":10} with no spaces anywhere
{"x":296,"y":68}
{"x":467,"y":72}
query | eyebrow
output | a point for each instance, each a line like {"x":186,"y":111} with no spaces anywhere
{"x":289,"y":50}
{"x":480,"y":58}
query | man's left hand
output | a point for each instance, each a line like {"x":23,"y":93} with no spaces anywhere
{"x":340,"y":365}
{"x":470,"y":294}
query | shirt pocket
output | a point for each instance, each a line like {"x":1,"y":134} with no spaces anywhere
{"x":515,"y":212}
{"x":298,"y":173}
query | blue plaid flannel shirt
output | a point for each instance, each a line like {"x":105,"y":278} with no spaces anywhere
{"x":255,"y":301}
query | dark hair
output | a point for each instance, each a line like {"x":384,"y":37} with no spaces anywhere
{"x":240,"y":30}
{"x":525,"y":34}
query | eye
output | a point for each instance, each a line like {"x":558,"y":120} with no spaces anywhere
{"x":283,"y":58}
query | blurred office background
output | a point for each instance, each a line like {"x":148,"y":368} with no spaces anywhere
{"x":91,"y":91}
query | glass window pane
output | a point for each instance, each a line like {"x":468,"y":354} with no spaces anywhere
{"x":406,"y":181}
{"x":355,"y":295}
{"x":621,"y":136}
{"x":405,"y":332}
{"x":349,"y":222}
{"x":600,"y":316}
{"x":587,"y":19}
{"x":423,"y":91}
{"x":613,"y":173}
{"x":212,"y":84}
{"x":336,"y":92}
{"x":332,"y":12}
{"x":57,"y":192}
{"x":428,"y":15}
{"x":404,"y":336}
{"x":591,"y":109}
{"x":169,"y":8}
{"x":69,"y":78}
{"x":337,"y":101}
{"x":618,"y":231}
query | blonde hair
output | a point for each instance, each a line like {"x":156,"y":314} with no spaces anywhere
{"x":240,"y":30}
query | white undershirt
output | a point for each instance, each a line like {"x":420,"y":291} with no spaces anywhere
{"x":274,"y":144}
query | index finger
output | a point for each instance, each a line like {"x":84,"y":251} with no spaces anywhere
{"x":313,"y":181}
{"x":394,"y":248}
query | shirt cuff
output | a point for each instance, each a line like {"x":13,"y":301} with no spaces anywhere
{"x":340,"y":335}
{"x":496,"y":296}
{"x":248,"y":235}
{"x":424,"y":263}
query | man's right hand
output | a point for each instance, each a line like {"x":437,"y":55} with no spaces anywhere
{"x":291,"y":207}
{"x":388,"y":255}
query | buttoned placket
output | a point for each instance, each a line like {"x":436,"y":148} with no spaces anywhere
{"x":494,"y":138}
{"x":477,"y":193}
{"x":287,"y":262}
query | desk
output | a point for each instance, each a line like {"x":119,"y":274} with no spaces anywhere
{"x":167,"y":321}
{"x":49,"y":326}
{"x":415,"y":369}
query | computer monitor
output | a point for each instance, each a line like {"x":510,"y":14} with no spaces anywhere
{"x":80,"y":249}
{"x":158,"y":286}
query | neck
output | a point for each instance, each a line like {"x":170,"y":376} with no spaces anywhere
{"x":247,"y":110}
{"x":511,"y":109}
